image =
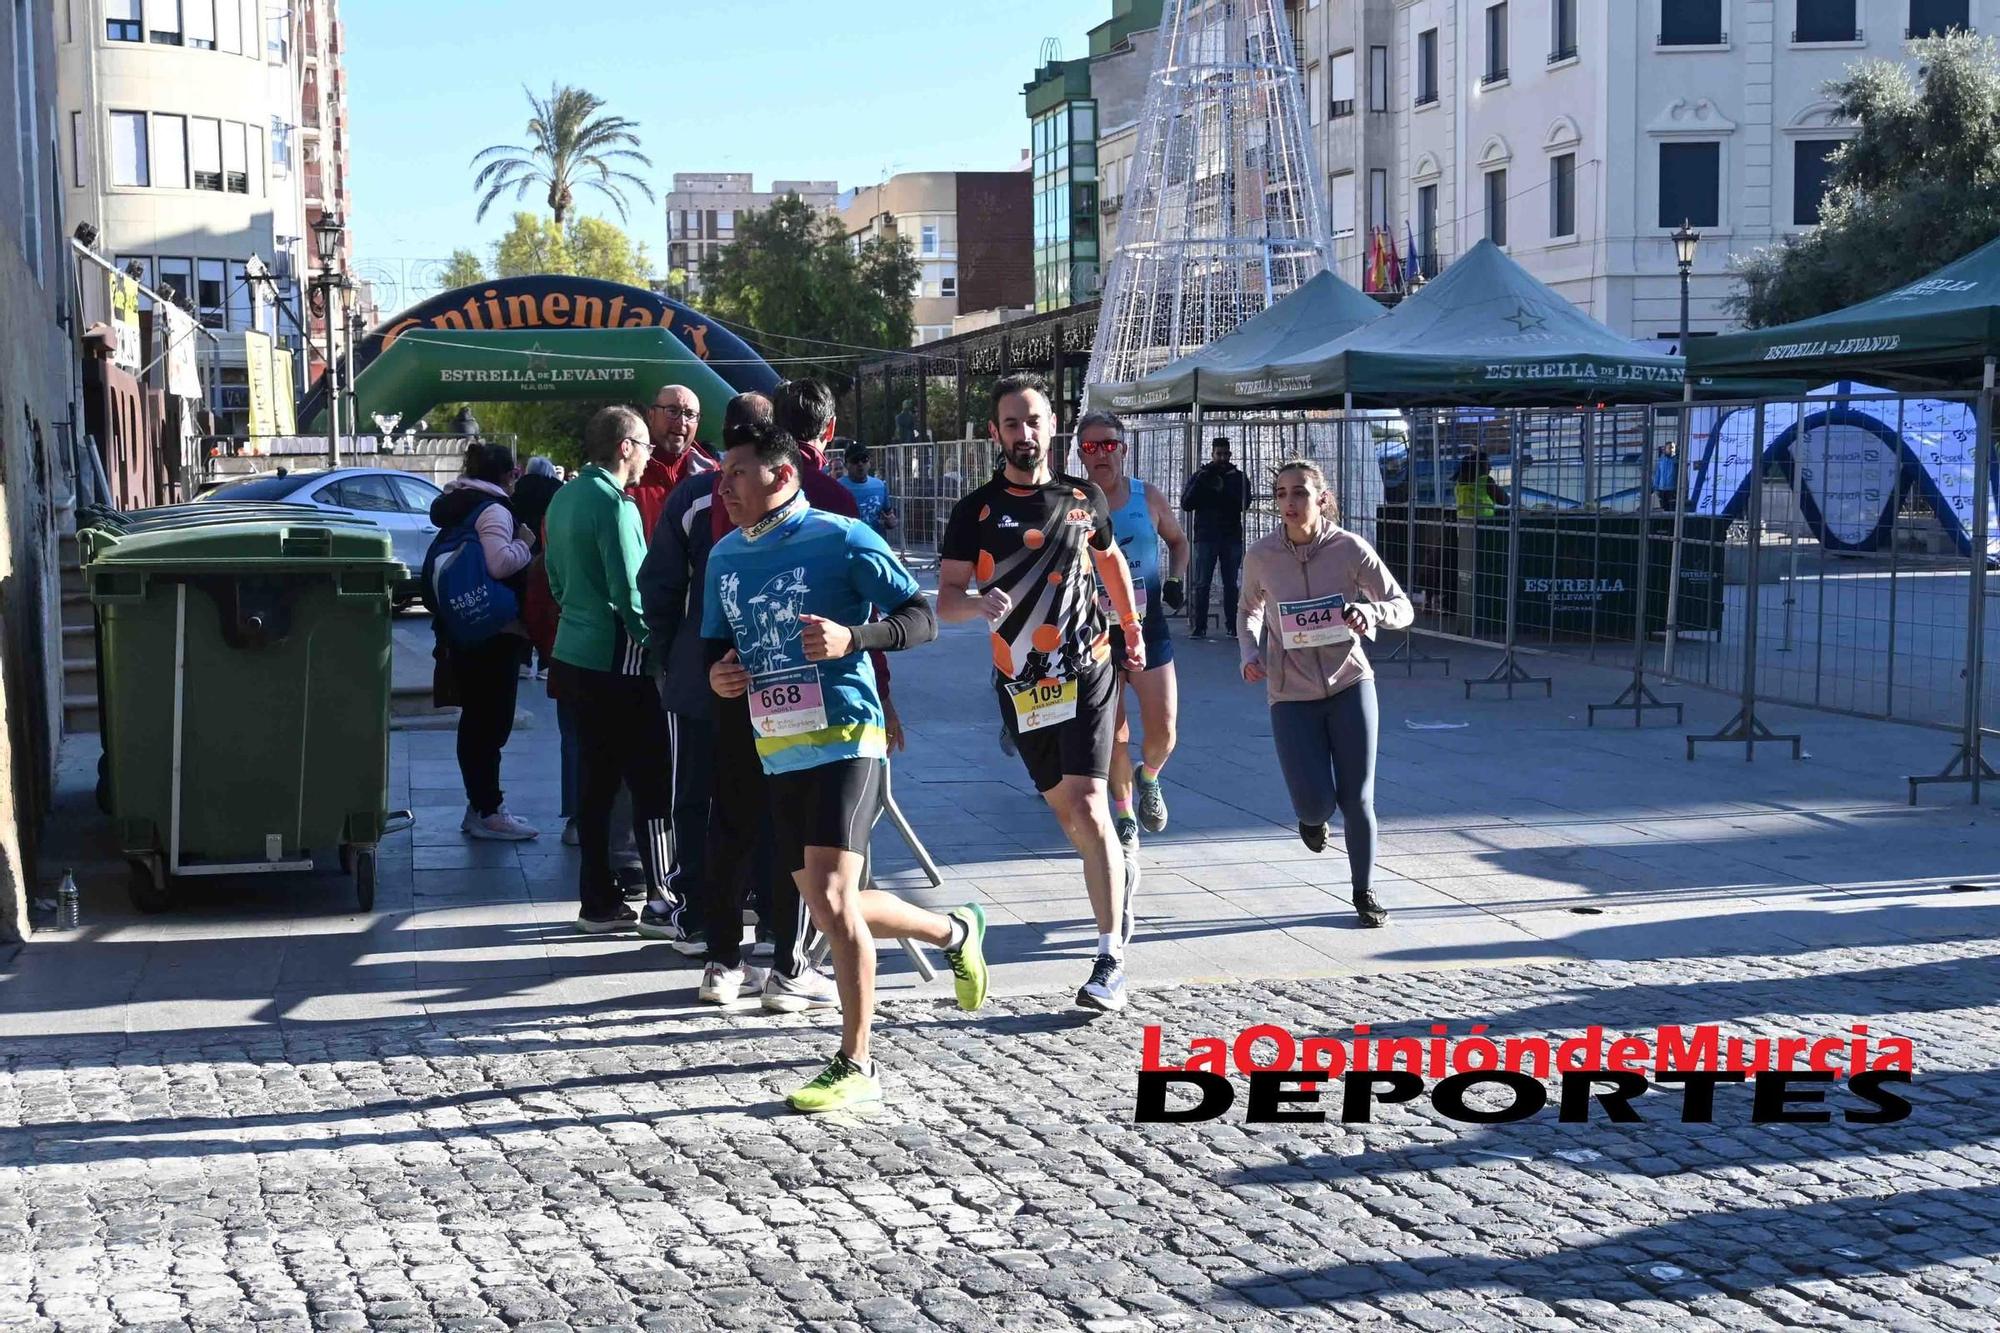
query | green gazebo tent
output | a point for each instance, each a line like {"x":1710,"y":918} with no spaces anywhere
{"x":1485,"y":332}
{"x":1324,"y":309}
{"x":1936,"y":332}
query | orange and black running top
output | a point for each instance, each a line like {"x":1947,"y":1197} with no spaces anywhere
{"x":1034,"y":543}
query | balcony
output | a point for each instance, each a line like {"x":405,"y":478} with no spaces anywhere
{"x":1427,"y":99}
{"x":309,"y":108}
{"x":1911,"y":34}
{"x":313,"y":183}
{"x":1682,"y":39}
{"x":1562,"y":53}
{"x":1491,"y":77}
{"x":1807,"y":36}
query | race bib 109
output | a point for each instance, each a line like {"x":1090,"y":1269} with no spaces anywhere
{"x":1313,"y":624}
{"x":786,"y":703}
{"x":1042,"y":703}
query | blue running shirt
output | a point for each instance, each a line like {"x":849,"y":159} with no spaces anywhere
{"x":870,"y":497}
{"x":809,"y":562}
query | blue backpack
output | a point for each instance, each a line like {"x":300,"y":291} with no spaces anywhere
{"x":468,"y":603}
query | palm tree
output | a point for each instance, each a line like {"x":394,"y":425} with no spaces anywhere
{"x":568,"y":145}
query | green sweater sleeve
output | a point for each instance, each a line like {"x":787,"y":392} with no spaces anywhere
{"x":623,"y":545}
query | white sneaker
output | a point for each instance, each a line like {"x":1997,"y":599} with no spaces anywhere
{"x":571,"y":837}
{"x":723,"y":984}
{"x":809,"y":990}
{"x":502,"y":827}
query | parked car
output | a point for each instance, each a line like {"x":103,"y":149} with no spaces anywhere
{"x":395,"y":501}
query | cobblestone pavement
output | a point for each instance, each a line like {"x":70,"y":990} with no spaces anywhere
{"x":544,"y":1169}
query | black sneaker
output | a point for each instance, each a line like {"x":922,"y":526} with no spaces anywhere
{"x":1105,"y":991}
{"x":1370,"y":908}
{"x":631,"y":883}
{"x":1128,"y":833}
{"x":593,"y":924}
{"x":1313,"y":836}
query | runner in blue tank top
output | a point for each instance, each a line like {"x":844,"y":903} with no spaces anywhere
{"x":1141,"y":519}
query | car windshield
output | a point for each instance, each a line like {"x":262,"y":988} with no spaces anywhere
{"x":260,"y":488}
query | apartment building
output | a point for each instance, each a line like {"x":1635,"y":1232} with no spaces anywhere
{"x":971,"y":232}
{"x":702,"y":209}
{"x":199,"y":133}
{"x":1580,"y":134}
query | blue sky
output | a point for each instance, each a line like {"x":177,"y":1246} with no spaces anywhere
{"x":821,"y":89}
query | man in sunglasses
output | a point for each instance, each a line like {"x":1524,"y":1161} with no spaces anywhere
{"x":1141,"y":519}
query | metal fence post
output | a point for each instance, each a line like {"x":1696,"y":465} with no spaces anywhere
{"x":1508,"y":671}
{"x":1682,"y":476}
{"x":1638,"y":696}
{"x":1407,"y":651}
{"x":1746,"y":726}
{"x":1968,"y":763}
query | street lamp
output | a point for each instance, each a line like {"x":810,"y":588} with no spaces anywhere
{"x":326,"y":242}
{"x":1685,"y":241}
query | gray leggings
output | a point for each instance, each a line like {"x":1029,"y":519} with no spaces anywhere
{"x":1326,"y":748}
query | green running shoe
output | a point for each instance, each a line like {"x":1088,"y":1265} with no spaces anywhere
{"x":968,"y":960}
{"x":839,"y":1087}
{"x":1152,"y":804}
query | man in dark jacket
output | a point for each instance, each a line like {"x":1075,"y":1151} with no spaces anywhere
{"x":1217,"y":496}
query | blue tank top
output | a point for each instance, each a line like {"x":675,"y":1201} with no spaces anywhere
{"x":1139,"y":539}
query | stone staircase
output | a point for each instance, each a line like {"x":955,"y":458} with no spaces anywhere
{"x":79,"y":643}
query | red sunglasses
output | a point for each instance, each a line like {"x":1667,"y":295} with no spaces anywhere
{"x":1100,"y":446}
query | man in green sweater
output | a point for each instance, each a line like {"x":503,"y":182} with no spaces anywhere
{"x":594,"y":546}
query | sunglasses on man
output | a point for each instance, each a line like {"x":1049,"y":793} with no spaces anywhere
{"x":1100,"y":446}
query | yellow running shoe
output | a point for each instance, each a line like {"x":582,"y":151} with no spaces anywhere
{"x":840,"y":1086}
{"x":968,"y":960}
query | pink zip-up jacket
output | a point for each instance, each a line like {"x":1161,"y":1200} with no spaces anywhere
{"x":1275,"y":571}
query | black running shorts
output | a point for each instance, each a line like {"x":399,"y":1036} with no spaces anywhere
{"x":829,"y":805}
{"x":1080,"y":747}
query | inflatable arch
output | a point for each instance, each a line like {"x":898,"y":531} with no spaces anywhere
{"x":553,"y":304}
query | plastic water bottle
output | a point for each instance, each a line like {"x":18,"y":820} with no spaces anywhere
{"x":69,"y":904}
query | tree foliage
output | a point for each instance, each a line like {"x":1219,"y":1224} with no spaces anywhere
{"x":792,"y":279}
{"x":568,"y":146}
{"x":1917,"y":187}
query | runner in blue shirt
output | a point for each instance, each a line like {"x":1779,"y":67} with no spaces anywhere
{"x":786,"y":619}
{"x":871,"y":494}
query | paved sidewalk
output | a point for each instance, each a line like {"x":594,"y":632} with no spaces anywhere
{"x":1519,"y":836}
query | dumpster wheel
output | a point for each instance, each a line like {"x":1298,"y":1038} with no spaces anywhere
{"x":364,"y":876}
{"x":147,"y":884}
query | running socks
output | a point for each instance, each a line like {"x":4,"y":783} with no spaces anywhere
{"x":1121,"y":806}
{"x":1112,"y":946}
{"x":1149,"y":774}
{"x":959,"y":931}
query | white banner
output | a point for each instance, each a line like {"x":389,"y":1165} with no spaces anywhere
{"x":1850,"y":455}
{"x":183,"y":376}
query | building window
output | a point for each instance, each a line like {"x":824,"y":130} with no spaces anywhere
{"x":928,"y":239}
{"x":1826,"y":21}
{"x":1314,"y":90}
{"x":79,"y":151}
{"x":1562,"y":195}
{"x":1812,"y":173}
{"x":1691,"y":184}
{"x":1496,"y":43}
{"x":163,"y":22}
{"x":177,"y":281}
{"x":28,"y":162}
{"x":242,"y":298}
{"x":205,"y":152}
{"x":1378,"y":78}
{"x":281,"y":144}
{"x":235,"y":159}
{"x":1562,"y":30}
{"x":1691,"y":23}
{"x":1427,"y":66}
{"x":948,"y":288}
{"x":255,"y":139}
{"x":212,"y":291}
{"x":1929,"y":18}
{"x":1341,"y":91}
{"x":170,"y":167}
{"x":121,"y":21}
{"x":1378,"y":199}
{"x":1427,"y":226}
{"x":229,"y":26}
{"x":725,"y":223}
{"x":130,"y":163}
{"x":198,"y":22}
{"x":1496,"y":206}
{"x":1340,"y":204}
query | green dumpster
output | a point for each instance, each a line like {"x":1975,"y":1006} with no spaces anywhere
{"x":244,"y":668}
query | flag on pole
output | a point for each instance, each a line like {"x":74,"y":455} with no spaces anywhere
{"x":1409,"y":256}
{"x":1368,"y":265}
{"x":1395,"y":259}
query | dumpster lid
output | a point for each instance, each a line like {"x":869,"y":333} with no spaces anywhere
{"x":257,"y":542}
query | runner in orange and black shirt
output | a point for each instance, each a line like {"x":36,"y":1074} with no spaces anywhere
{"x":1033,"y":540}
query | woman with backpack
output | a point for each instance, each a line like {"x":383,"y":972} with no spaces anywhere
{"x":475,"y":519}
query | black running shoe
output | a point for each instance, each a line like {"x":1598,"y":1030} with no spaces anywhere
{"x":1313,"y":836}
{"x":1105,"y":991}
{"x":1370,"y":908}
